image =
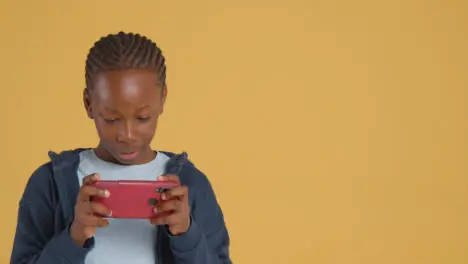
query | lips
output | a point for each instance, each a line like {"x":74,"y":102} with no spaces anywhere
{"x":128,"y":155}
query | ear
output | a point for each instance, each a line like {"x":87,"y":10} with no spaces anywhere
{"x":87,"y":102}
{"x":163,"y":99}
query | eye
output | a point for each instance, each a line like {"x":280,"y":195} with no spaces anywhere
{"x":144,"y":118}
{"x":110,"y":120}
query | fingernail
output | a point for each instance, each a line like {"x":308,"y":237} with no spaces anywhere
{"x":105,"y":193}
{"x":155,"y":210}
{"x":160,"y":178}
{"x":163,"y":196}
{"x":110,"y":213}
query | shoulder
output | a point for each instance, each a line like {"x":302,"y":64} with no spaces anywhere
{"x":41,"y":174}
{"x":39,"y":186}
{"x":202,"y":197}
{"x":193,"y":176}
{"x":189,"y":174}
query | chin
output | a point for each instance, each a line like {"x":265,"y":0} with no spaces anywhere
{"x":135,"y":157}
{"x":126,"y":161}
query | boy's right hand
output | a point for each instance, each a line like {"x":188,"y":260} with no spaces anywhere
{"x":86,"y":219}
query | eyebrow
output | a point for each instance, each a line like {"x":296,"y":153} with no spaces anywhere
{"x":115,"y":111}
{"x":144,"y":107}
{"x":106,"y":108}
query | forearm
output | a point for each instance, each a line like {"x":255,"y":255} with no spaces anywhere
{"x":59,"y":250}
{"x":192,"y":247}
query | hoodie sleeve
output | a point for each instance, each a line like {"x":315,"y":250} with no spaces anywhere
{"x":207,"y":240}
{"x":36,"y":241}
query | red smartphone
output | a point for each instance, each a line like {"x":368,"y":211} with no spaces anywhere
{"x":133,"y":199}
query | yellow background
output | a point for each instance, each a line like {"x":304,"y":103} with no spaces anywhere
{"x":332,"y":131}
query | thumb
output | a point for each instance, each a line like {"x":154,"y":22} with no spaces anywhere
{"x":90,"y":179}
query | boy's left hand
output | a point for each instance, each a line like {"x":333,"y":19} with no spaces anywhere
{"x":175,"y":200}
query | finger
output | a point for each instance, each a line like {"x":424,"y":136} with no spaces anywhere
{"x":84,"y":215}
{"x":159,"y":221}
{"x":87,"y":191}
{"x":85,"y":209}
{"x":177,"y":192}
{"x":82,"y":208}
{"x":173,"y":205}
{"x":100,"y":210}
{"x":169,"y":177}
{"x":93,"y":221}
{"x":90,"y":179}
{"x":165,"y":219}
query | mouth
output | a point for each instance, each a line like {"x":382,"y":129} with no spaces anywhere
{"x":128,"y":155}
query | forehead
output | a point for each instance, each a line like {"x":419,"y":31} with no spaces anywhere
{"x":124,"y":87}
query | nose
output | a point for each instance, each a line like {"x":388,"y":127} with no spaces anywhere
{"x":126,"y":133}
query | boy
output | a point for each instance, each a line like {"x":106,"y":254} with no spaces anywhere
{"x":57,"y":222}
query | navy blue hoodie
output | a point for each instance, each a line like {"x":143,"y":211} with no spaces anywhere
{"x":46,"y":211}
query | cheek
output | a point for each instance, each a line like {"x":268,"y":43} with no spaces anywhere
{"x":105,"y":132}
{"x":147,"y":130}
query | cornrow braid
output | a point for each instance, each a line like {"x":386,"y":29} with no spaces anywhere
{"x":123,"y":51}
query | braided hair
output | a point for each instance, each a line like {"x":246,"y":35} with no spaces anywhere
{"x":124,"y":51}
